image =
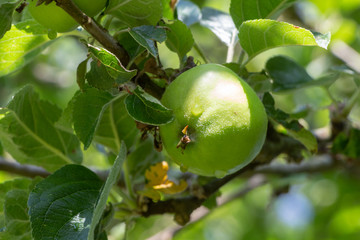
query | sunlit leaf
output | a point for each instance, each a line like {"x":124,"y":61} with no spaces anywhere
{"x":106,"y":69}
{"x":259,"y":35}
{"x":21,"y":44}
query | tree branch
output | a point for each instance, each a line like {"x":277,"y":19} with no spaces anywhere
{"x":33,"y":171}
{"x":23,"y":170}
{"x":97,"y":31}
{"x":108,"y":42}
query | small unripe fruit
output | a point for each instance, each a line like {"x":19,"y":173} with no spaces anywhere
{"x":55,"y":18}
{"x":220,"y":123}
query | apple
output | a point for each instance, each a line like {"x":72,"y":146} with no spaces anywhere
{"x":220,"y":123}
{"x":55,"y":18}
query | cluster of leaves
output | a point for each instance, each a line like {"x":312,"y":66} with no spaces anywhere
{"x":115,"y":112}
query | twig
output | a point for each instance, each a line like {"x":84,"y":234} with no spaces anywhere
{"x":33,"y":171}
{"x":23,"y":170}
{"x":108,"y":42}
{"x":92,"y":27}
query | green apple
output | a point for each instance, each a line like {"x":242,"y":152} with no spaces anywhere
{"x":55,"y":18}
{"x":226,"y":121}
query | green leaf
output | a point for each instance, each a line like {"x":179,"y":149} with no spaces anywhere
{"x":168,"y":12}
{"x":305,"y":137}
{"x":116,"y":125}
{"x":136,"y":12}
{"x":146,"y":109}
{"x":99,"y":77}
{"x":62,"y":205}
{"x":188,"y":12}
{"x":243,"y":10}
{"x":288,"y":75}
{"x":293,"y":128}
{"x":29,"y":134}
{"x":98,"y":116}
{"x":16,"y":216}
{"x":147,"y":35}
{"x":21,"y":44}
{"x":14,"y":219}
{"x":5,"y":187}
{"x":106,"y":69}
{"x":221,"y":24}
{"x":87,"y":109}
{"x":179,"y":38}
{"x":6,"y":12}
{"x":110,"y":182}
{"x":81,"y":73}
{"x":132,"y":47}
{"x":259,"y":35}
{"x":348,"y":144}
{"x":146,"y":228}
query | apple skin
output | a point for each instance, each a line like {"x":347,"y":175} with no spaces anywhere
{"x":55,"y":18}
{"x":226,"y":120}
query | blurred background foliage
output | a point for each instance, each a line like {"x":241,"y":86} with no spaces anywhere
{"x":303,"y":206}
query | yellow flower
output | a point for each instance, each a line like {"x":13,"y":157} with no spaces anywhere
{"x":158,"y":182}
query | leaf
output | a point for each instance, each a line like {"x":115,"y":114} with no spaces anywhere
{"x":259,"y":35}
{"x":221,"y":24}
{"x":110,"y":182}
{"x":348,"y":144}
{"x":6,"y":12}
{"x":29,"y":134}
{"x":21,"y":44}
{"x":288,"y":75}
{"x":179,"y":38}
{"x":81,"y":74}
{"x":293,"y":128}
{"x":146,"y":228}
{"x":99,"y":77}
{"x":188,"y":12}
{"x":107,"y":68}
{"x":146,"y":109}
{"x":5,"y":187}
{"x":168,"y":12}
{"x":14,"y":219}
{"x":305,"y":137}
{"x":16,"y":216}
{"x":99,"y":116}
{"x":62,"y":205}
{"x":132,"y":47}
{"x":87,"y":110}
{"x":136,"y":12}
{"x":147,"y":35}
{"x":243,"y":10}
{"x":115,"y":126}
